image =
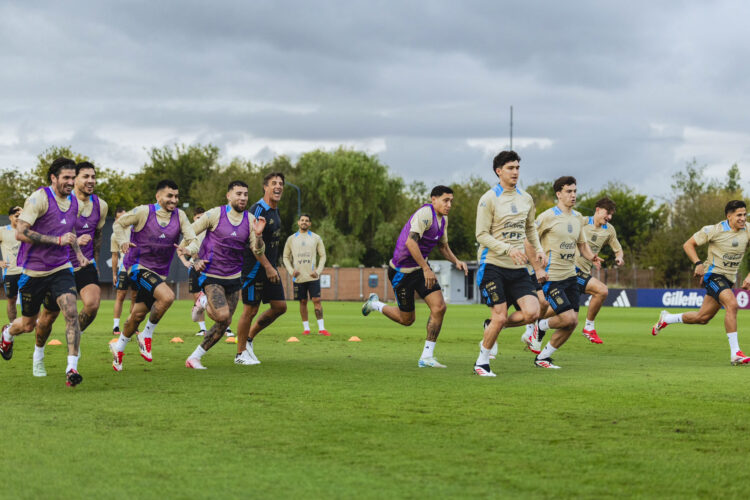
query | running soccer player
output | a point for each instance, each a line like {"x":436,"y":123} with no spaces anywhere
{"x":120,"y":279}
{"x":561,"y":233}
{"x":228,"y":229}
{"x":598,"y":232}
{"x":11,"y":272}
{"x":300,"y":251}
{"x":46,"y":228}
{"x":505,"y":220}
{"x":148,"y":254}
{"x":727,"y":242}
{"x":93,"y":215}
{"x":410,"y":272}
{"x":260,"y":278}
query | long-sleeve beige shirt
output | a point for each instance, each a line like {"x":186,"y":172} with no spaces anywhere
{"x":300,"y":252}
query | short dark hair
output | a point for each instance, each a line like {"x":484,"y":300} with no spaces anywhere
{"x":166,"y":183}
{"x":502,"y":158}
{"x":199,"y":210}
{"x":84,"y":165}
{"x":271,"y":175}
{"x":58,"y":164}
{"x":440,"y":191}
{"x":606,"y":204}
{"x":14,"y":210}
{"x":565,"y":180}
{"x":734,"y":205}
{"x":234,"y":184}
{"x":120,"y":210}
{"x":304,"y":215}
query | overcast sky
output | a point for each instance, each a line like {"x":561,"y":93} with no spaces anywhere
{"x":624,"y":91}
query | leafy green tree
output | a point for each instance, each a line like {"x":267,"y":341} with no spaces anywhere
{"x":11,"y":190}
{"x":544,"y":196}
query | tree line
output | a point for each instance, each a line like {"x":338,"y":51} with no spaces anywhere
{"x":359,"y":207}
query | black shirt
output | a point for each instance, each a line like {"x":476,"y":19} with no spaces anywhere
{"x":271,"y":234}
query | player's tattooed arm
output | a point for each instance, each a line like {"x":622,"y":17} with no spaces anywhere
{"x":414,"y":236}
{"x":25,"y":234}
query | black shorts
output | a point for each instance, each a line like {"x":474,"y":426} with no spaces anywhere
{"x":147,"y":281}
{"x":256,"y":287}
{"x":582,"y":279}
{"x":86,"y":276}
{"x":562,"y":295}
{"x":715,"y":284}
{"x":193,"y":285}
{"x":405,"y":284}
{"x":10,"y":283}
{"x":230,"y":285}
{"x":308,"y":288}
{"x":124,"y":282}
{"x":499,"y":285}
{"x":36,"y":291}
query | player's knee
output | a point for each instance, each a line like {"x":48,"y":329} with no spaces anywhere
{"x":303,"y":302}
{"x":407,"y":319}
{"x":440,"y":309}
{"x":222,"y":316}
{"x":279,"y":309}
{"x":27,"y":325}
{"x":603,"y":292}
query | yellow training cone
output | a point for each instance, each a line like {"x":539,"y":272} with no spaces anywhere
{"x":176,"y":340}
{"x":293,"y":339}
{"x":355,"y":339}
{"x":54,"y":342}
{"x":231,"y":340}
{"x":113,"y":341}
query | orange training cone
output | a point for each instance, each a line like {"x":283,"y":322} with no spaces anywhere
{"x":176,"y":340}
{"x":113,"y":341}
{"x":231,"y":340}
{"x":355,"y":339}
{"x":54,"y":342}
{"x":293,"y":339}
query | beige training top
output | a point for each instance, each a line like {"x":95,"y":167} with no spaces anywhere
{"x":597,"y":238}
{"x":300,"y":252}
{"x":9,"y":246}
{"x":210,"y":221}
{"x":36,"y":206}
{"x":726,"y":248}
{"x":137,"y":219}
{"x":560,"y":234}
{"x":505,"y":218}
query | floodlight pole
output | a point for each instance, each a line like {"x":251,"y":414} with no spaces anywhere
{"x":299,"y":198}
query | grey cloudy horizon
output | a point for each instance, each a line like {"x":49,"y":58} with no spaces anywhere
{"x":602,"y":91}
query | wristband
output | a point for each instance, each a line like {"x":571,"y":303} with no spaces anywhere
{"x":696,"y":264}
{"x":59,"y":241}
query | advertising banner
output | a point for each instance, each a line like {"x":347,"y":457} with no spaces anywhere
{"x":617,"y":297}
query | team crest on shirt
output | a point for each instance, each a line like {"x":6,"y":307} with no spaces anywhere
{"x":270,"y":221}
{"x":570,"y":228}
{"x":593,"y":237}
{"x":735,"y":242}
{"x":513,"y":208}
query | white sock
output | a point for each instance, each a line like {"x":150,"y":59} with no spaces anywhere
{"x":529,"y":330}
{"x":121,"y":343}
{"x":198,"y":353}
{"x":116,"y":322}
{"x":148,"y":332}
{"x":321,"y":326}
{"x":202,"y":325}
{"x":589,"y":325}
{"x":429,"y":350}
{"x":484,"y":356}
{"x":734,"y":344}
{"x":673,"y":318}
{"x":547,"y":351}
{"x":249,"y":345}
{"x":72,"y":363}
{"x":6,"y":334}
{"x":306,"y":325}
{"x":378,"y":306}
{"x":544,"y":325}
{"x":203,"y":301}
{"x":38,"y":353}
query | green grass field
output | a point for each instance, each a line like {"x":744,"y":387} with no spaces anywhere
{"x":638,"y":416}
